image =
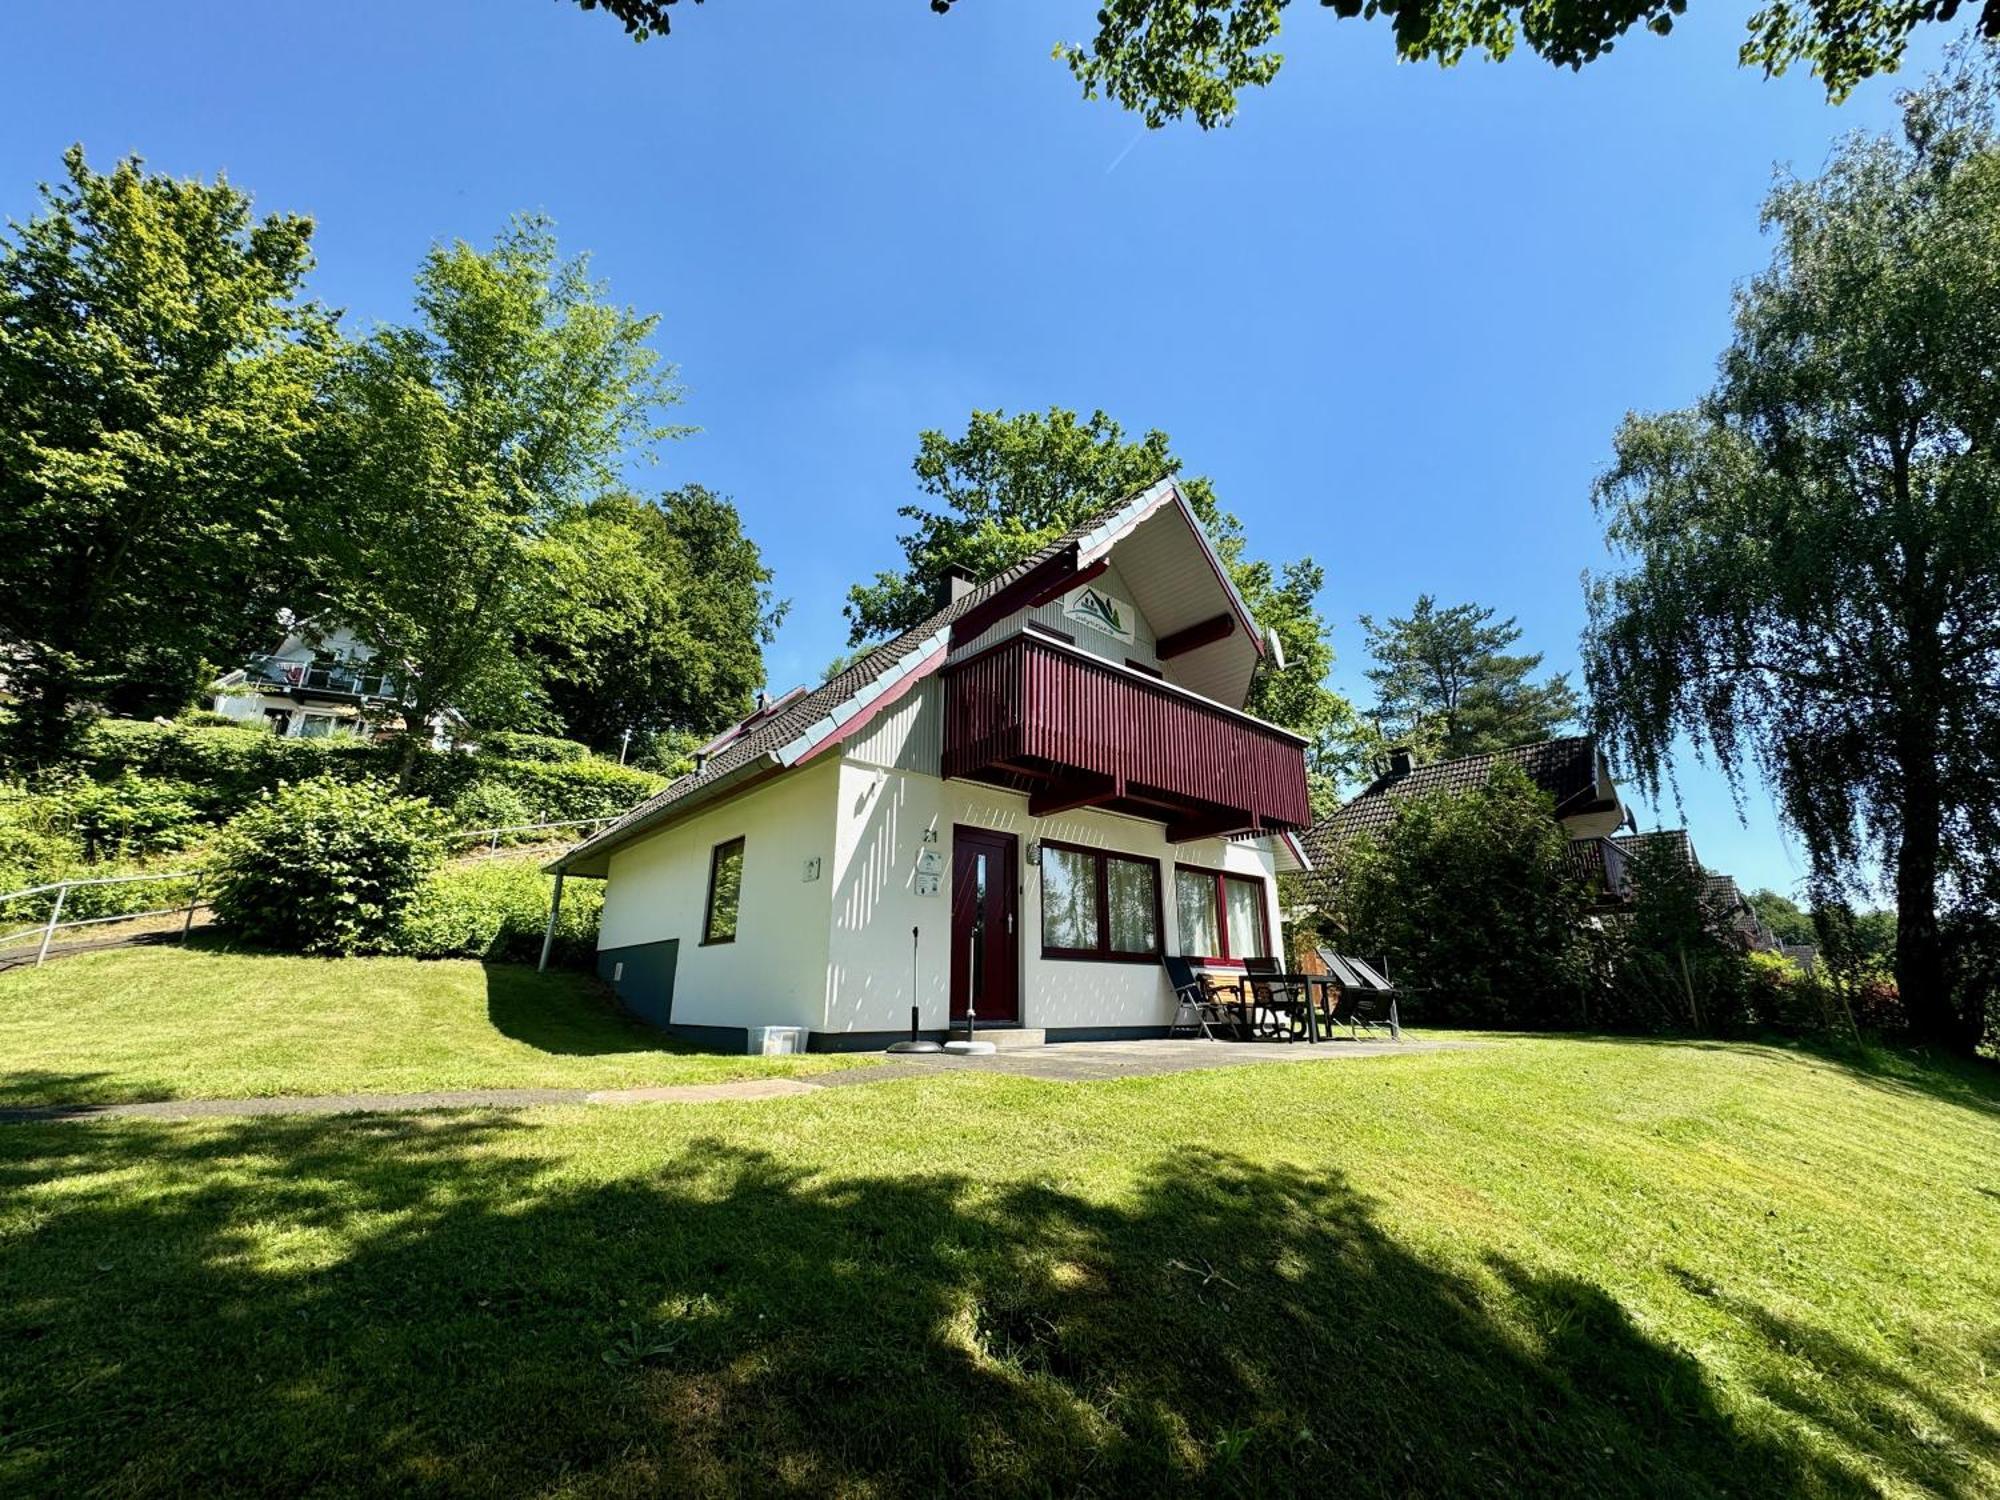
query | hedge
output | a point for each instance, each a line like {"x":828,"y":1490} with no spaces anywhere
{"x":225,"y":769}
{"x":499,"y":910}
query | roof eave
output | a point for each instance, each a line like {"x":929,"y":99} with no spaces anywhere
{"x":591,"y":858}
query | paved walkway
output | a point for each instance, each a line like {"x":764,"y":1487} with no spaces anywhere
{"x":1065,"y":1062}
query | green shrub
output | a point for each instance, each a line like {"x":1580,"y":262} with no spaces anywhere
{"x":209,"y":718}
{"x":490,"y":804}
{"x":325,"y":866}
{"x":133,"y":815}
{"x":543,"y":749}
{"x":499,"y":909}
{"x":225,"y":768}
{"x":1469,"y":896}
{"x":580,"y":789}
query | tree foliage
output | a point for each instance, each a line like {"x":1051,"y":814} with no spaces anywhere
{"x":157,"y":375}
{"x":1446,"y":684}
{"x":457,"y":446}
{"x":1811,"y":556}
{"x":1173,"y":59}
{"x":1469,"y":897}
{"x":1010,"y":485}
{"x":652,"y":617}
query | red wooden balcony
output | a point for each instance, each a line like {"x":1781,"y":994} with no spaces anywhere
{"x":1072,"y":730}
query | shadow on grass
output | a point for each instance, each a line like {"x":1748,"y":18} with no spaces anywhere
{"x":1869,"y":1406}
{"x":568,"y":1012}
{"x":381,"y":1304}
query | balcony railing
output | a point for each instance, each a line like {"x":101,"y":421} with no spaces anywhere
{"x":1074,"y":730}
{"x":1600,"y":864}
{"x":342,"y":679}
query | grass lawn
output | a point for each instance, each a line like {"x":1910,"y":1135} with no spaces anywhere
{"x":1541,"y":1267}
{"x":206,"y":1023}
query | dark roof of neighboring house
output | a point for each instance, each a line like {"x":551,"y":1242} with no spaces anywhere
{"x":1675,"y":839}
{"x":1566,"y":769}
{"x":758,"y":741}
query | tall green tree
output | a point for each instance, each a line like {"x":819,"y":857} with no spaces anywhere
{"x":654,"y":617}
{"x":1171,"y":59}
{"x":1446,"y":684}
{"x":457,"y":445}
{"x":1810,"y":574}
{"x":1009,"y":485}
{"x":157,"y":377}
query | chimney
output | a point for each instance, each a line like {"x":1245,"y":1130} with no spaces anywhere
{"x":700,"y":760}
{"x":763,"y":700}
{"x":955,"y":583}
{"x":1402,"y":760}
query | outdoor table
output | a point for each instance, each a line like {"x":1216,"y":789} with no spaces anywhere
{"x":1302,"y":982}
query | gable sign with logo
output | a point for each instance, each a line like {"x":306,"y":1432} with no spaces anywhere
{"x":1102,"y":611}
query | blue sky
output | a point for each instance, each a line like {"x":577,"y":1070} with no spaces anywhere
{"x":1395,"y":312}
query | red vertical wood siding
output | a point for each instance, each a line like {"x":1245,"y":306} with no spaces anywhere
{"x":1029,"y":698}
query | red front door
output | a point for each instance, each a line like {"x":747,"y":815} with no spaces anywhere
{"x":985,"y":961}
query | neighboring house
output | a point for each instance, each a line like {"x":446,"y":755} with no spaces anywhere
{"x":1571,"y":771}
{"x":321,"y":680}
{"x":1017,"y":807}
{"x":1728,"y":908}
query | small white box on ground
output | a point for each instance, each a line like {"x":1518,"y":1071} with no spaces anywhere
{"x":770,"y":1041}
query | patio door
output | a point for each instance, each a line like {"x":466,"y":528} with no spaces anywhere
{"x":985,"y":953}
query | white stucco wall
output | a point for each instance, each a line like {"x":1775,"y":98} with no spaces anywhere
{"x":774,"y":973}
{"x":884,"y":816}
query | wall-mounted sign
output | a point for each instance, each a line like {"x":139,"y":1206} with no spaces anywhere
{"x":929,"y":885}
{"x":811,"y":871}
{"x":930,"y":861}
{"x":1102,"y":611}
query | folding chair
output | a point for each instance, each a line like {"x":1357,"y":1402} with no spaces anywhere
{"x":1279,"y":997}
{"x":1198,"y":1001}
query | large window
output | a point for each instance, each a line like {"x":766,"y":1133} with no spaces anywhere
{"x":725,"y":890}
{"x":1099,"y":905}
{"x":1221,"y":916}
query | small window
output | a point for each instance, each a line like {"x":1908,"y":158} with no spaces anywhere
{"x":725,"y":889}
{"x":1099,"y":905}
{"x":1222,"y":916}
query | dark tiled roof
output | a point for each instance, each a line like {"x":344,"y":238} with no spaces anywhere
{"x":1565,"y":769}
{"x":1675,"y":839}
{"x":796,"y":717}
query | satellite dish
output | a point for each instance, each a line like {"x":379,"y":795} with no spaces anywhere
{"x":1277,"y":647}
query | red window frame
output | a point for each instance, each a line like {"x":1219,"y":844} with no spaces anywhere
{"x":1229,"y":957}
{"x":1103,"y":952}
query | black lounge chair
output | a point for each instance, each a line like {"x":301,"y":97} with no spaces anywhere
{"x":1199,"y":1005}
{"x":1367,"y":1001}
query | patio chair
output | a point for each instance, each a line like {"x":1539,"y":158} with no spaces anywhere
{"x":1200,"y":1003}
{"x":1367,"y":1001}
{"x":1283,"y":1000}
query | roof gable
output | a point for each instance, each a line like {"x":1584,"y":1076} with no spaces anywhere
{"x":799,"y":727}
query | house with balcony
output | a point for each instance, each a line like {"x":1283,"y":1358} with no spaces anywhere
{"x":1011,"y":812}
{"x":321,"y":680}
{"x":1571,"y":771}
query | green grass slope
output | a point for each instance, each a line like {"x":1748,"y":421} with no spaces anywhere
{"x":1534,"y":1268}
{"x":202,"y":1023}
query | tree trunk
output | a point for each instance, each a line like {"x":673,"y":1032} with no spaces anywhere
{"x":1920,"y":967}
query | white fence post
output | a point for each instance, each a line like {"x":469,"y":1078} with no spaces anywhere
{"x":55,"y":916}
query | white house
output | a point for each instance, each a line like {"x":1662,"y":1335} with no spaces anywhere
{"x":321,"y":680}
{"x":1019,"y":806}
